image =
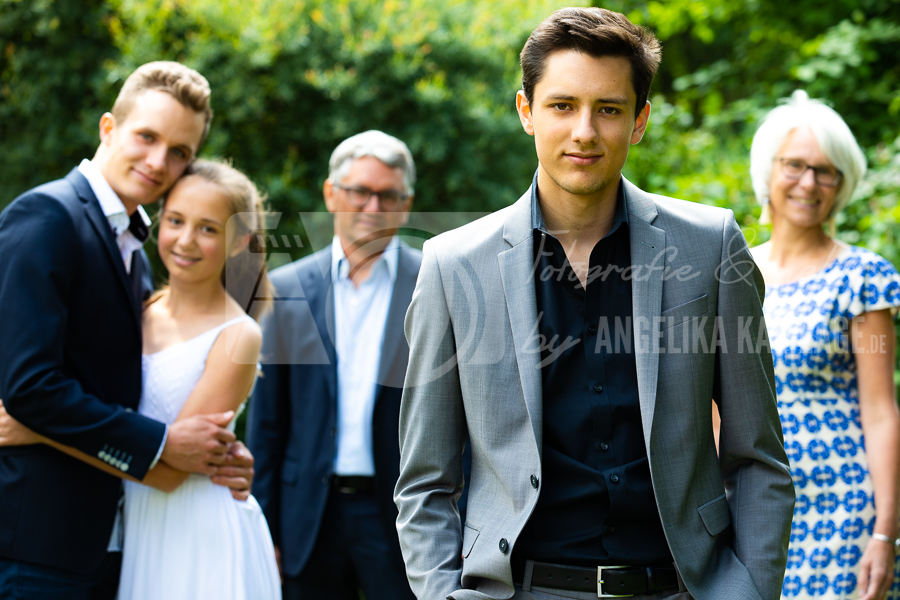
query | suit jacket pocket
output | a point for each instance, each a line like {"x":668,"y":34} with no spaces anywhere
{"x":290,"y":470}
{"x":470,"y":534}
{"x":677,"y":314}
{"x":715,"y":515}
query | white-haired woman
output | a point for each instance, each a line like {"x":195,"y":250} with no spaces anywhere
{"x":829,"y":310}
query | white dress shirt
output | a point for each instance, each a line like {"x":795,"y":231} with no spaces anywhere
{"x":114,"y":211}
{"x":360,"y":314}
{"x":119,"y":220}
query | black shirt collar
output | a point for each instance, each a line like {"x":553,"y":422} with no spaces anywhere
{"x":537,"y":217}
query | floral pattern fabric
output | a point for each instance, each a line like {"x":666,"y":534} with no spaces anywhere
{"x":815,"y":374}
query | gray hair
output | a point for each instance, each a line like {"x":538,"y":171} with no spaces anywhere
{"x":831,"y":132}
{"x":380,"y":145}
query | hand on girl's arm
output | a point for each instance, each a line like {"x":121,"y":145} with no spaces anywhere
{"x":237,"y":473}
{"x":224,"y":385}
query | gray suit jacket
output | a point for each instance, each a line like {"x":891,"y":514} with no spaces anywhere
{"x":698,"y":336}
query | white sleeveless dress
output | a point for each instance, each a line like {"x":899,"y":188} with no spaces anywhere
{"x":197,"y":542}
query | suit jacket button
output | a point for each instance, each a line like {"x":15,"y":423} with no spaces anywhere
{"x":534,"y":482}
{"x":504,"y":545}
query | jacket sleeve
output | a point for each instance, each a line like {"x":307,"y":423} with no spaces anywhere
{"x":41,"y":253}
{"x":268,"y":421}
{"x":432,"y":438}
{"x":754,"y":465}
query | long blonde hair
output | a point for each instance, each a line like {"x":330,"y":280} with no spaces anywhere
{"x":244,"y":275}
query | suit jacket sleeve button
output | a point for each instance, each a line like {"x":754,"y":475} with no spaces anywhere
{"x":504,"y":545}
{"x":534,"y":482}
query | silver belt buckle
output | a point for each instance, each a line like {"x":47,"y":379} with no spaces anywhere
{"x":600,"y":593}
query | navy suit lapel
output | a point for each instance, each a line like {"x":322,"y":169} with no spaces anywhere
{"x":320,"y":296}
{"x":392,"y":370}
{"x":107,"y":237}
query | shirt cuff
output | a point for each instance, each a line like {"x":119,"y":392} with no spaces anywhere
{"x":161,"y":446}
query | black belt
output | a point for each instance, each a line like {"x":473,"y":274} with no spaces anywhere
{"x":353,"y":484}
{"x":606,"y":582}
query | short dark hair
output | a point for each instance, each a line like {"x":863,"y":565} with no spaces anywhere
{"x":596,"y":32}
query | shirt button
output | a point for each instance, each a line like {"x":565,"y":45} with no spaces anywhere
{"x":592,"y":330}
{"x":611,"y":529}
{"x":534,"y":482}
{"x":325,"y":480}
{"x":598,"y":388}
{"x":504,"y":545}
{"x":614,"y":478}
{"x":333,"y":431}
{"x":604,"y":446}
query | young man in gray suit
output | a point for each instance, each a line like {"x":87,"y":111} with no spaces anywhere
{"x":579,"y":338}
{"x":323,"y":420}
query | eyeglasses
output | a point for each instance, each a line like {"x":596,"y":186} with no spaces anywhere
{"x":824,"y":176}
{"x":358,"y":197}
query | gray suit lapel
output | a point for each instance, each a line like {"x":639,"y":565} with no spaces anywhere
{"x":517,"y":276}
{"x":647,"y":244}
{"x":388,"y":372}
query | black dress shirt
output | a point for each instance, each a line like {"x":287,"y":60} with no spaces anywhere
{"x":596,"y":505}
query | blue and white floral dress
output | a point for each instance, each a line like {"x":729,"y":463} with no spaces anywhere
{"x":818,"y":400}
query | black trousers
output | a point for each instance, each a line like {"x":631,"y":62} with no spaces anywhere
{"x":26,"y":581}
{"x":351,"y":555}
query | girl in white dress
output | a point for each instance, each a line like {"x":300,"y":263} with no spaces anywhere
{"x":185,"y":537}
{"x":200,"y":356}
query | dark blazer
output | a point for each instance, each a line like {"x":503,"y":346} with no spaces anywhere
{"x":292,"y":424}
{"x":70,"y":369}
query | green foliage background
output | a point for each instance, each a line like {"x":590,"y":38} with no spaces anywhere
{"x":292,"y":78}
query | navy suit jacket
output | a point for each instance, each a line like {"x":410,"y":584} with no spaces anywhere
{"x":70,"y":369}
{"x":292,"y":424}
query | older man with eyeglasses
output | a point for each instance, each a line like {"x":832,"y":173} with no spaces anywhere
{"x":324,"y":416}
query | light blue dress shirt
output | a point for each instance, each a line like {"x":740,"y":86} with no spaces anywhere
{"x":360,"y":314}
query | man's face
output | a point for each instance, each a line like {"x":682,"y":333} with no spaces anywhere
{"x":583,"y":122}
{"x":369,"y":227}
{"x":143,"y":155}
